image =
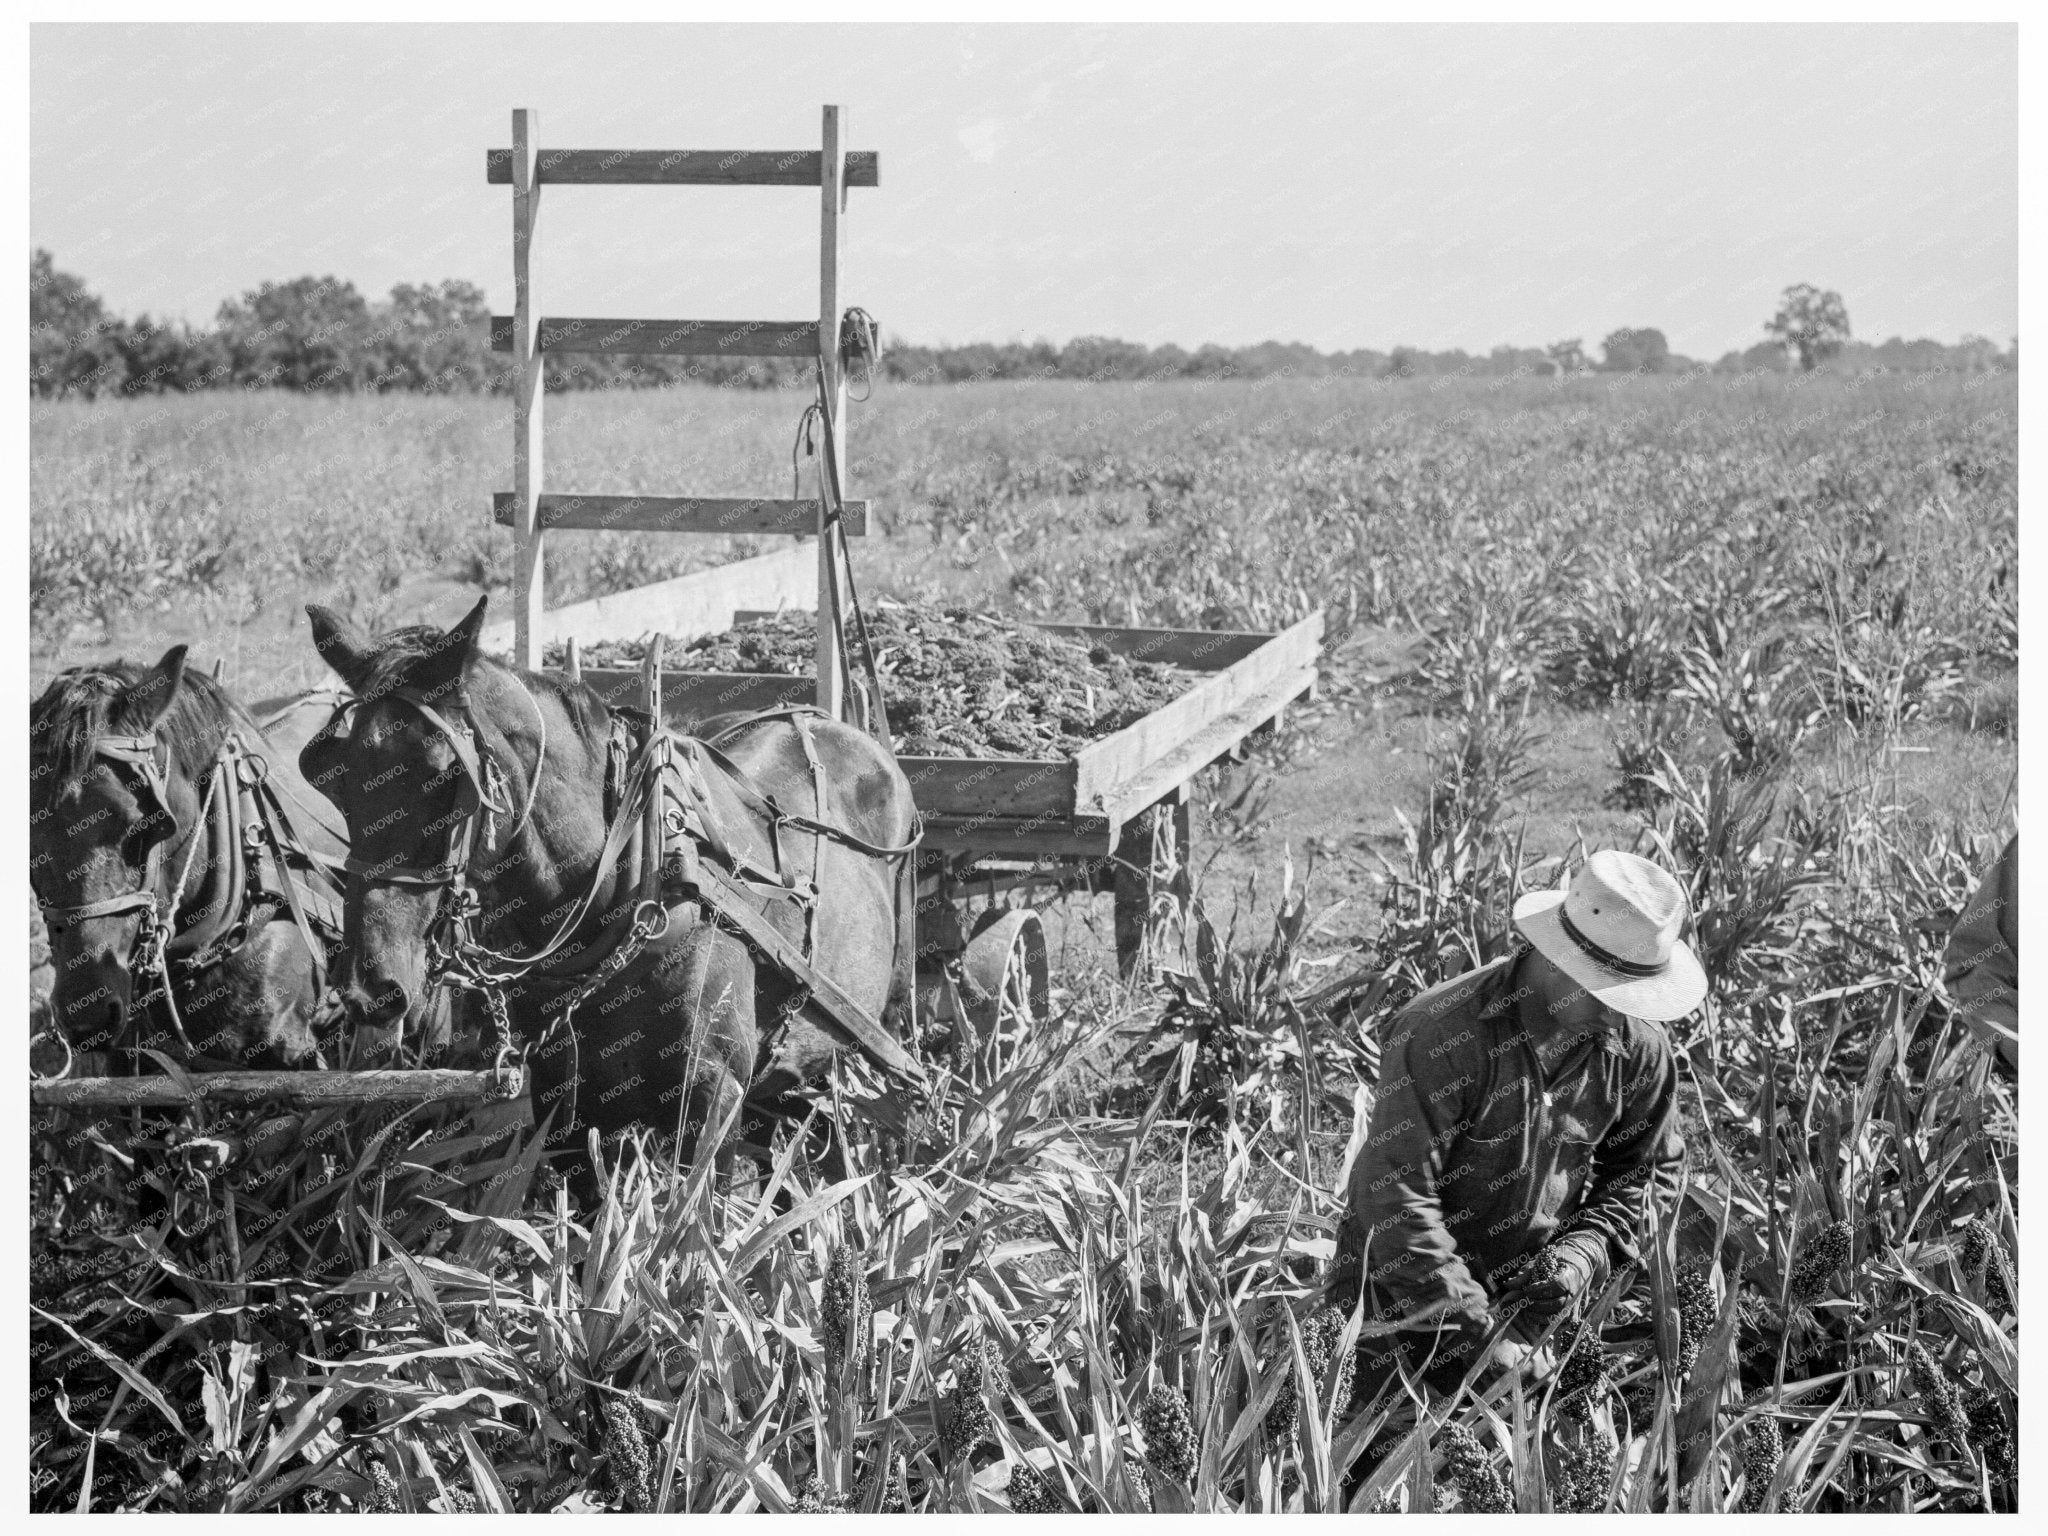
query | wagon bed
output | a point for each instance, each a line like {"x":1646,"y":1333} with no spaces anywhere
{"x":1074,"y":805}
{"x":1112,"y":817}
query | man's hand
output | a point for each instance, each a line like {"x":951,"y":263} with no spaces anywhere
{"x":1559,"y":1277}
{"x":1515,"y":1354}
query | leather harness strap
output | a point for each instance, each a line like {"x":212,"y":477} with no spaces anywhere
{"x":672,"y":767}
{"x":729,"y":907}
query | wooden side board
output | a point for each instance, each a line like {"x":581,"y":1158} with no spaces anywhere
{"x":1166,"y":775}
{"x":1080,"y":837}
{"x":690,"y":697}
{"x":1198,"y":650}
{"x":1015,"y":787}
{"x":683,"y":607}
{"x":1103,"y":766}
{"x":679,"y":514}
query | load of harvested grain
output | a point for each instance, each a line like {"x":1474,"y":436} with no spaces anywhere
{"x":958,"y":683}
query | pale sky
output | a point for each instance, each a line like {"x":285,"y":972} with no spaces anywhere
{"x":1343,"y":186}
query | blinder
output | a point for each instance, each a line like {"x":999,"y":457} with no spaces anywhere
{"x":140,"y":753}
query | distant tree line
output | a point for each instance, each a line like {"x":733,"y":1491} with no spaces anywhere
{"x":320,"y":333}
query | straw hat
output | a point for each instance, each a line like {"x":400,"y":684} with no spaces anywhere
{"x":1615,"y":929}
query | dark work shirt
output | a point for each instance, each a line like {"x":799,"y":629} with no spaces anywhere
{"x":1494,"y":1130}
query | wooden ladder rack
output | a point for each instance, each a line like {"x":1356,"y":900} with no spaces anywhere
{"x":529,"y":337}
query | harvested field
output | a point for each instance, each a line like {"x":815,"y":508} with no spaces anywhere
{"x":958,"y":683}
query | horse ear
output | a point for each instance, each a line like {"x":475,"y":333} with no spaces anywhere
{"x":324,"y":758}
{"x":340,"y":644}
{"x":442,"y":667}
{"x":146,"y":701}
{"x":471,"y":627}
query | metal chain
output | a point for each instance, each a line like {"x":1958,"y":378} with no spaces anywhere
{"x":644,"y":932}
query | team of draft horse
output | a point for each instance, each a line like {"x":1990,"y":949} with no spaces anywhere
{"x":454,"y":858}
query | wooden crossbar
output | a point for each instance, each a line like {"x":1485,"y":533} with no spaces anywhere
{"x":684,"y":167}
{"x":667,"y":338}
{"x":679,"y":514}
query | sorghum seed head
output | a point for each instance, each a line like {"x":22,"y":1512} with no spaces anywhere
{"x":1990,"y":1432}
{"x":1319,"y":1341}
{"x":813,"y":1499}
{"x":625,"y":1449}
{"x":1031,"y":1493}
{"x":1985,"y":1260}
{"x":1582,"y":1378}
{"x":895,"y":1492}
{"x":1141,"y":1481}
{"x":964,"y":1423}
{"x":1169,"y":1431}
{"x":1939,"y":1399}
{"x":1584,"y":1473}
{"x":1763,"y":1452}
{"x":1319,"y":1336}
{"x":1974,"y":1242}
{"x":847,"y":1312}
{"x":1464,"y":1461}
{"x":1697,"y":1313}
{"x":964,"y":1420}
{"x":1823,"y":1254}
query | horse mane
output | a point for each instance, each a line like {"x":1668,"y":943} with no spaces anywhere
{"x":389,"y":667}
{"x":400,"y":650}
{"x":579,"y":701}
{"x":80,"y":706}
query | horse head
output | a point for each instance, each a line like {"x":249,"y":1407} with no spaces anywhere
{"x":430,"y":764}
{"x":121,"y":756}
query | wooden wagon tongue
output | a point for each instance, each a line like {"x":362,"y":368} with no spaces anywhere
{"x":304,"y":1089}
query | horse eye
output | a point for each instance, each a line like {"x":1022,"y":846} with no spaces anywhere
{"x":151,"y":829}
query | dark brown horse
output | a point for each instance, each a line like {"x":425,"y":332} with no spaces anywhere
{"x":487,"y":808}
{"x":179,"y":861}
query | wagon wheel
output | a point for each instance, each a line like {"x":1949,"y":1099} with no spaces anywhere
{"x":1004,"y":986}
{"x":1151,"y":861}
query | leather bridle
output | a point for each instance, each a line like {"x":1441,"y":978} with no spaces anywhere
{"x":157,"y":915}
{"x":448,"y":935}
{"x":137,"y":752}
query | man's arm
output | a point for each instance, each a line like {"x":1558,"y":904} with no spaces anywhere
{"x":1981,"y":964}
{"x":1643,"y":1150}
{"x":1393,"y":1215}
